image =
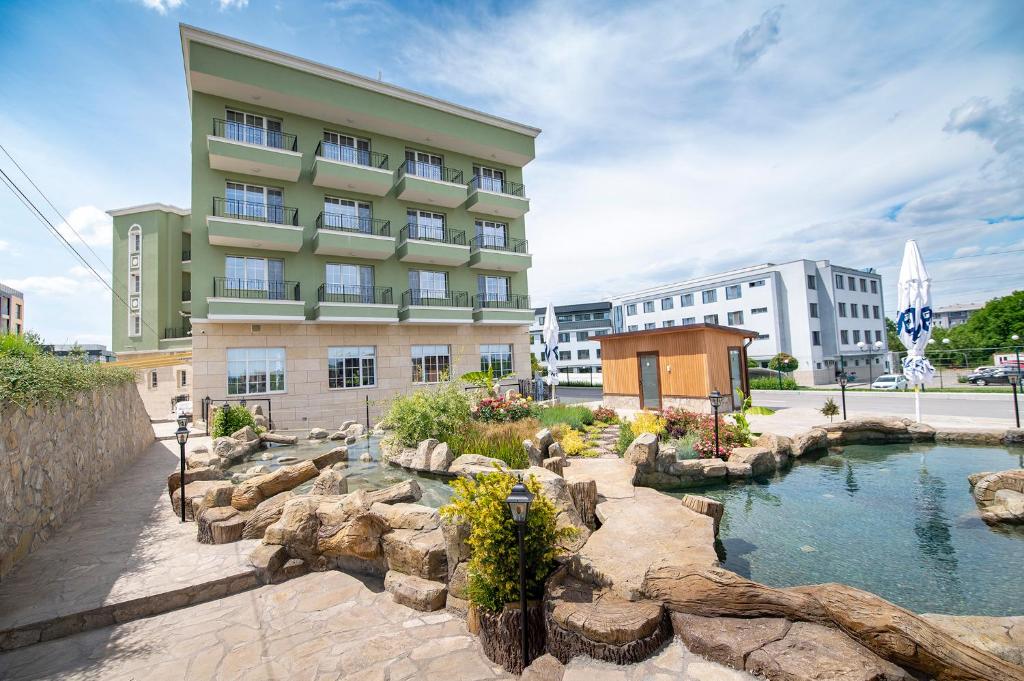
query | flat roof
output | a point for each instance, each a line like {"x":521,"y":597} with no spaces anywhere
{"x":675,"y":329}
{"x":147,"y":207}
{"x":7,"y":290}
{"x":578,"y":307}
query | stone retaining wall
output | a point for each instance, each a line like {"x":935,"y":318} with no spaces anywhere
{"x":53,"y":458}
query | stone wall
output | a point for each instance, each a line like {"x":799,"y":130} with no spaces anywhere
{"x":53,"y":458}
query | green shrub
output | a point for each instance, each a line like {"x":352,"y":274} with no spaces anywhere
{"x":428,"y":413}
{"x":574,"y":416}
{"x":232,"y":420}
{"x":15,"y":345}
{"x":684,"y":445}
{"x":648,"y":422}
{"x":626,"y":438}
{"x":493,"y":539}
{"x":29,"y":376}
{"x":606,"y":415}
{"x":768,"y":383}
{"x":497,"y":440}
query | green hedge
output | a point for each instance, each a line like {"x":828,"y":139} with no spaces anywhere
{"x":230,"y":421}
{"x":766,"y":383}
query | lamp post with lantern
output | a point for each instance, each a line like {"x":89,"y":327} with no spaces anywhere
{"x":843,"y":379}
{"x":518,"y":502}
{"x":716,"y":398}
{"x":1014,"y":381}
{"x":181,"y":435}
{"x":868,"y":348}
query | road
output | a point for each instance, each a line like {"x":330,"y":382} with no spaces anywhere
{"x":980,"y":405}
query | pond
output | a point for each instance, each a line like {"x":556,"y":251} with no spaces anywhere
{"x":896,"y":520}
{"x":361,"y":475}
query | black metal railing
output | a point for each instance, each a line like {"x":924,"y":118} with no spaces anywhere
{"x":501,"y":301}
{"x":346,"y":154}
{"x":255,"y":289}
{"x":492,"y":184}
{"x":423,"y":232}
{"x":364,"y":295}
{"x":259,"y":212}
{"x":186,"y":296}
{"x":353,"y":223}
{"x":429,"y":171}
{"x":183,"y":331}
{"x":499,"y":243}
{"x":186,"y":256}
{"x":424,"y":297}
{"x":254,"y":134}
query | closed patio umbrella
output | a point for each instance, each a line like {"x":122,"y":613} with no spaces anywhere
{"x":549,"y":332}
{"x":915,"y":320}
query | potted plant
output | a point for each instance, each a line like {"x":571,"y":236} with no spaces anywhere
{"x":493,"y":568}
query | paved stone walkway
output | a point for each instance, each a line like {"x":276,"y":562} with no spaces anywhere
{"x":124,"y":544}
{"x":673,"y":663}
{"x":607,"y":439}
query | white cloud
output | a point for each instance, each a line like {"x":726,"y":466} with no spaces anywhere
{"x":77,"y":281}
{"x":4,"y":246}
{"x":966,"y":250}
{"x":1002,"y":125}
{"x":93,"y":225}
{"x":756,"y":40}
{"x":162,"y":6}
{"x":233,"y":4}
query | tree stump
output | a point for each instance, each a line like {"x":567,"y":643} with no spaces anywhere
{"x":554,"y":464}
{"x":501,"y":637}
{"x":584,"y":497}
{"x":705,"y":506}
{"x":209,"y":518}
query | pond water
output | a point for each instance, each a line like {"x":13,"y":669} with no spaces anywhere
{"x":360,"y":474}
{"x":896,"y":520}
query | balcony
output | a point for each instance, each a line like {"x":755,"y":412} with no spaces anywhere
{"x":251,"y":150}
{"x":489,"y":252}
{"x":497,"y":308}
{"x":432,"y":245}
{"x":356,"y":304}
{"x":353,"y":236}
{"x":243,"y":224}
{"x":430,"y":184}
{"x":354,"y":170}
{"x":490,"y":196}
{"x":177,"y":337}
{"x":425,"y":306}
{"x":255,"y":300}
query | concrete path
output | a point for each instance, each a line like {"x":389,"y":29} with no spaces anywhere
{"x":123,"y":554}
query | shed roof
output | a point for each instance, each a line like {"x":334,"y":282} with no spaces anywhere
{"x":677,"y":329}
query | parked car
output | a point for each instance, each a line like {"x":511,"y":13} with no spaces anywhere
{"x":994,"y":377}
{"x":890,"y":382}
{"x":759,"y":372}
{"x":183,"y":409}
{"x":984,"y":370}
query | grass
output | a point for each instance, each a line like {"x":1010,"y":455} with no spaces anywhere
{"x":502,"y":441}
{"x":956,"y":389}
{"x":576,"y":417}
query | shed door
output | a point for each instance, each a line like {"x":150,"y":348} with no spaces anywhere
{"x":736,"y":376}
{"x":650,"y":389}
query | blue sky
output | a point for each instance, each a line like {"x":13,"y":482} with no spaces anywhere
{"x":679,"y":138}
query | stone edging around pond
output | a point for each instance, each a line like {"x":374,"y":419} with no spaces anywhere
{"x":657,"y":467}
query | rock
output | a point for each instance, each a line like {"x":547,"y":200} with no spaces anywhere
{"x":455,"y":546}
{"x":340,"y":466}
{"x":533,"y":453}
{"x":878,"y":429}
{"x":705,"y":506}
{"x":194,"y":493}
{"x":297,"y":527}
{"x":544,"y":440}
{"x":288,"y":459}
{"x":317,"y":434}
{"x":204,"y":459}
{"x":760,"y":460}
{"x":471,"y":465}
{"x":267,"y":559}
{"x":727,"y":640}
{"x":407,"y":491}
{"x":441,"y":458}
{"x":230,"y":449}
{"x":405,"y":516}
{"x":261,"y":422}
{"x":1014,"y":436}
{"x":780,"y":447}
{"x":293,"y":567}
{"x":250,"y":493}
{"x":1000,"y":496}
{"x":555,"y":451}
{"x":338,"y":435}
{"x":336,"y":455}
{"x":330,"y":482}
{"x":192,"y":475}
{"x":415,"y":592}
{"x":355,"y":430}
{"x":974,"y":478}
{"x":350,"y":440}
{"x":457,"y":606}
{"x":657,"y":479}
{"x":199,"y":449}
{"x":278,"y":439}
{"x":345,"y":424}
{"x":366,"y":457}
{"x":544,"y":668}
{"x":555,"y":488}
{"x":1002,"y":636}
{"x":215,"y":497}
{"x":738,"y":470}
{"x":257,"y":470}
{"x":358,"y":538}
{"x":643,"y":451}
{"x":265,"y":515}
{"x":256,"y":410}
{"x":554,"y":464}
{"x":809,"y":441}
{"x":416,"y":552}
{"x":246,"y":434}
{"x":421,"y":459}
{"x":458,"y":580}
{"x":266,"y":456}
{"x":220,"y":525}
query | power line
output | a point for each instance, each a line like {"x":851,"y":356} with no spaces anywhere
{"x":978,"y":255}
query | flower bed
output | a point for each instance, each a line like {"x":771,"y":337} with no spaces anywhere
{"x":502,"y":409}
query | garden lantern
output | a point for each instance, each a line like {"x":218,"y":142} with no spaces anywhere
{"x":1014,"y":381}
{"x":242,"y":401}
{"x":181,"y":435}
{"x":226,"y":407}
{"x":716,"y":398}
{"x":843,"y":379}
{"x":518,"y":502}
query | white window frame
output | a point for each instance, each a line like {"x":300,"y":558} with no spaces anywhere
{"x":424,"y":164}
{"x":491,"y":234}
{"x":497,"y":355}
{"x":358,"y":219}
{"x":365,"y":358}
{"x":737,"y":289}
{"x":426,"y":230}
{"x":340,"y":146}
{"x":422,"y":372}
{"x":250,"y":358}
{"x":709,"y":296}
{"x":489,"y":179}
{"x":255,"y":128}
{"x":247,"y":212}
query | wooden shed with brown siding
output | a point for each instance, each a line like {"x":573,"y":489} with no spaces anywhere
{"x":675,"y":367}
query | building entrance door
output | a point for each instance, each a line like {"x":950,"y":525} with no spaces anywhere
{"x":650,"y":387}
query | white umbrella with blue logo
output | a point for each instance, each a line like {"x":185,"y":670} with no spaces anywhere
{"x":549,"y":335}
{"x":914,"y":324}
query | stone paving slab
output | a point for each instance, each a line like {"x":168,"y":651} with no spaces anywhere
{"x":672,"y":663}
{"x":125,"y":548}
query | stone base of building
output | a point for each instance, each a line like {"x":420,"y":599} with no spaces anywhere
{"x":308,"y":401}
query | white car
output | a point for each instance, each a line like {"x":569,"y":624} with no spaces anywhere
{"x":183,"y":408}
{"x":890,"y":382}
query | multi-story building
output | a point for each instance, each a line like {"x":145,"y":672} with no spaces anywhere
{"x":825,"y":315}
{"x":948,"y":316}
{"x":579,"y":351}
{"x":12,"y":310}
{"x":87,"y":353}
{"x":348,"y":239}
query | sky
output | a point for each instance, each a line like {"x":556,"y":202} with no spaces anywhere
{"x":679,"y":138}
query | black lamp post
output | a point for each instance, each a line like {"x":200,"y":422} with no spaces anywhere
{"x":518,"y":501}
{"x":1014,"y":380}
{"x":182,"y":436}
{"x":716,"y":398}
{"x":843,"y":379}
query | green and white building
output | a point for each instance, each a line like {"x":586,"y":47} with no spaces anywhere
{"x":347,"y":238}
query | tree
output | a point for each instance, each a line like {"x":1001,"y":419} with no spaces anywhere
{"x":892,"y":336}
{"x":783,"y":363}
{"x":830,"y":409}
{"x":535,"y":367}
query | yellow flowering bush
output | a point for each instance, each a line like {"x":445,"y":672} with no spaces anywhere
{"x":572,"y":442}
{"x":648,"y":422}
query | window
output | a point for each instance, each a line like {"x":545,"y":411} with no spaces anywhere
{"x":735,"y":318}
{"x":842,"y":309}
{"x":814,"y":310}
{"x":598,"y":356}
{"x":874,"y":311}
{"x":152,"y":379}
{"x":733,"y":292}
{"x":863,"y":286}
{"x":564,"y":355}
{"x":631,"y":309}
{"x":852,"y":283}
{"x":839,"y":281}
{"x":491,"y":234}
{"x":689,"y":320}
{"x":600,"y":315}
{"x":183,"y":378}
{"x":649,"y":325}
{"x":582,"y":336}
{"x":582,"y":317}
{"x":867,"y":335}
{"x":755,"y":284}
{"x":493,"y":290}
{"x":253,"y":274}
{"x":253,"y":371}
{"x":686,"y":300}
{"x":583,"y":354}
{"x":426,"y":285}
{"x":346,"y":148}
{"x":423,"y":164}
{"x":134,"y":283}
{"x":632,"y":327}
{"x":710,"y":319}
{"x":762,"y":336}
{"x":563,"y":318}
{"x":430,"y":363}
{"x":496,"y":358}
{"x":874,"y":286}
{"x":856,"y":336}
{"x":844,"y":337}
{"x":853,"y":310}
{"x":489,"y":179}
{"x":135,"y":239}
{"x":709,"y":296}
{"x":563,"y":337}
{"x":136,"y":325}
{"x":540,"y":320}
{"x":534,"y":338}
{"x":878,"y":336}
{"x":253,"y":129}
{"x":356,"y":216}
{"x":667,"y":303}
{"x":425,"y":225}
{"x":864,"y":311}
{"x":348,"y":283}
{"x":759,"y":310}
{"x":816,"y":337}
{"x":668,"y":323}
{"x":351,"y":367}
{"x":601,"y":332}
{"x":649,"y":306}
{"x":811,"y":282}
{"x":254,"y":202}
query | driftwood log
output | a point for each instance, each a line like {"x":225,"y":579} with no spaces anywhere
{"x":887,"y":630}
{"x":500,"y":635}
{"x":584,"y":497}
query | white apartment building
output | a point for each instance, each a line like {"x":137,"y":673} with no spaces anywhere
{"x":579,"y":353}
{"x":825,"y":315}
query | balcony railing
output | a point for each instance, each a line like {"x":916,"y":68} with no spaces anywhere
{"x":186,"y":296}
{"x":353,"y":223}
{"x":258,"y":212}
{"x":186,"y":256}
{"x":254,"y":134}
{"x":491,"y":184}
{"x":255,"y":289}
{"x":422,"y":297}
{"x":363,"y":295}
{"x":178,"y":331}
{"x":429,"y":171}
{"x":346,"y":154}
{"x":422,"y":232}
{"x":501,"y":301}
{"x":499,"y":243}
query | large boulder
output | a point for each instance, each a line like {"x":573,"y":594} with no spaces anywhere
{"x":251,"y":492}
{"x":1002,"y":636}
{"x":471,"y":465}
{"x":359,"y":538}
{"x":297,"y":527}
{"x":809,"y":441}
{"x":416,"y":552}
{"x":643,"y":451}
{"x":245,"y":434}
{"x":192,"y":475}
{"x":441,"y":459}
{"x":265,"y":515}
{"x":421,"y":459}
{"x":415,"y":592}
{"x":317,"y":434}
{"x":880,"y":429}
{"x":336,"y":455}
{"x":219,"y":525}
{"x":555,"y":488}
{"x":405,"y":516}
{"x":194,"y":494}
{"x":760,"y":460}
{"x":705,"y":506}
{"x":544,"y":440}
{"x":780,"y":447}
{"x":279,"y":439}
{"x":533,"y":453}
{"x":330,"y":482}
{"x":201,"y":458}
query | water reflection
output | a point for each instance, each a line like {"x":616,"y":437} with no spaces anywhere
{"x":935,"y":540}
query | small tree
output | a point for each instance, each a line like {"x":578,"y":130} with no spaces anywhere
{"x":831,"y":409}
{"x":783,"y":363}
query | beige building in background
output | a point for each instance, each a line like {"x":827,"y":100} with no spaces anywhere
{"x":12,"y":310}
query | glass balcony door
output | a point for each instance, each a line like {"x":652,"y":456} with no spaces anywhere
{"x":254,"y":202}
{"x":493,"y":289}
{"x":427,"y":286}
{"x":255,"y":277}
{"x":491,"y":234}
{"x":346,"y":148}
{"x":349,"y":283}
{"x":426,"y":225}
{"x":423,"y":164}
{"x":490,"y":180}
{"x":253,"y":129}
{"x":348,"y":214}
